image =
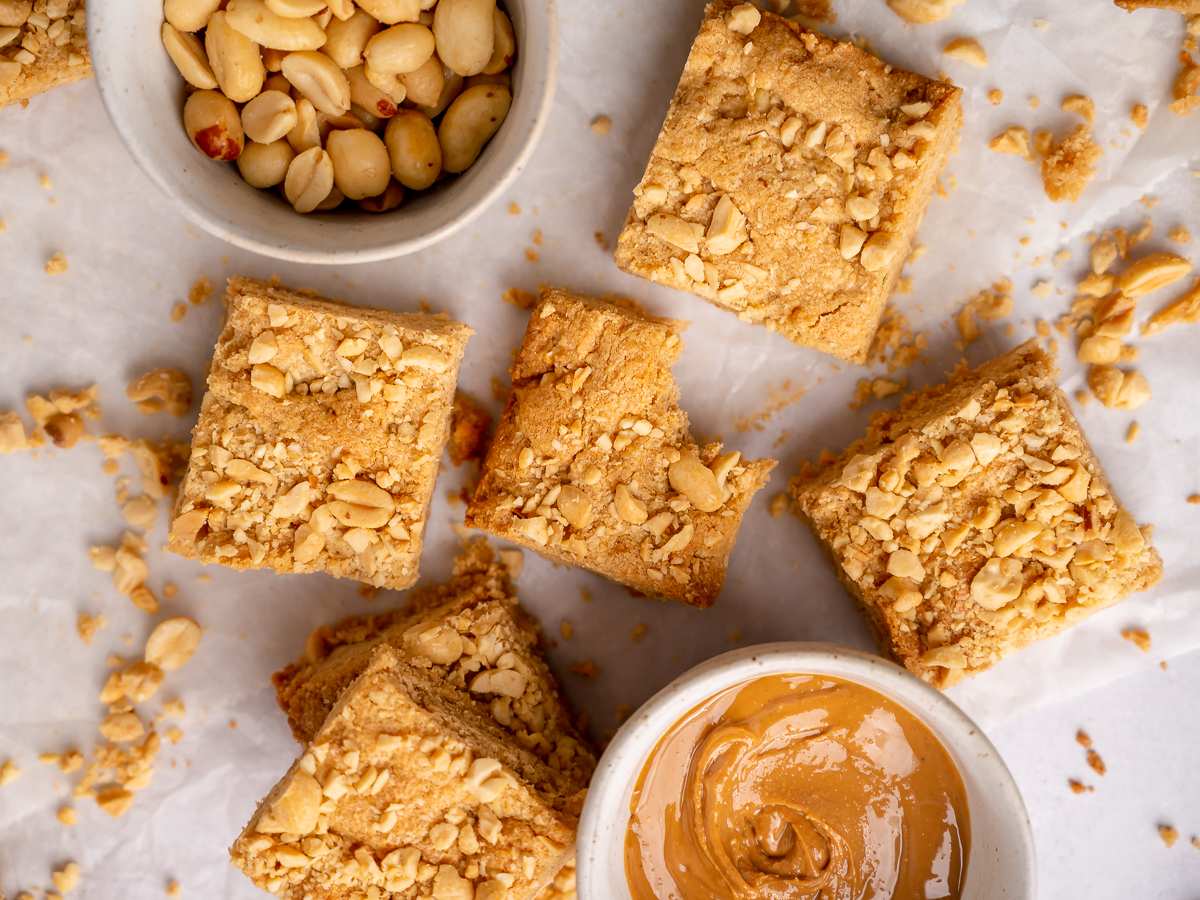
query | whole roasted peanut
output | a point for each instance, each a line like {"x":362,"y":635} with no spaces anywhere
{"x":504,"y":46}
{"x":424,"y":84}
{"x":309,"y":180}
{"x":452,"y":87}
{"x":332,"y":200}
{"x":307,"y":133}
{"x":369,"y":97}
{"x":269,"y":117}
{"x":389,"y":12}
{"x":253,"y":19}
{"x":414,"y":149}
{"x":346,"y":41}
{"x":319,"y":80}
{"x":389,"y":84}
{"x":341,"y":9}
{"x":360,"y":163}
{"x":465,"y":33}
{"x":399,"y":49}
{"x":277,"y":82}
{"x":235,"y":60}
{"x":273,"y":59}
{"x":392,"y":197}
{"x":189,"y":57}
{"x":469,"y":123}
{"x":189,"y":15}
{"x":213,"y":124}
{"x":172,"y":643}
{"x":296,"y":9}
{"x":265,"y":165}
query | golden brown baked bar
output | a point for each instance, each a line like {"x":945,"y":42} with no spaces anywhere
{"x":407,"y":791}
{"x":320,"y":437}
{"x":592,"y":464}
{"x":975,"y":520}
{"x":789,"y":179}
{"x":48,"y":49}
{"x":470,"y":633}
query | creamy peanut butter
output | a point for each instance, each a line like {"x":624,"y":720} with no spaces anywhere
{"x":798,"y":786}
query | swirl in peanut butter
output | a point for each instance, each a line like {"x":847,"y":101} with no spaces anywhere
{"x":798,"y":787}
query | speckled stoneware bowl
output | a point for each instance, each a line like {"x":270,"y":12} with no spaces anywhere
{"x":144,"y":94}
{"x":1001,"y":865}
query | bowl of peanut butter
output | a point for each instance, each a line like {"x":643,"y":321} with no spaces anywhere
{"x":803,"y":771}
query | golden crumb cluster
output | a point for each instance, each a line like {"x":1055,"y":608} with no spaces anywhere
{"x":789,"y":179}
{"x":282,"y":473}
{"x":975,"y":520}
{"x":592,"y":464}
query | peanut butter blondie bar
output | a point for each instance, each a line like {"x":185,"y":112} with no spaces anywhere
{"x":975,"y":520}
{"x":407,"y":791}
{"x":592,"y":464}
{"x":320,"y":437}
{"x":470,"y":633}
{"x":789,"y":179}
{"x":44,"y":46}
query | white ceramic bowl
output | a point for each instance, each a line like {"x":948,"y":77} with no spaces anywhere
{"x":1001,"y":862}
{"x":144,"y":94}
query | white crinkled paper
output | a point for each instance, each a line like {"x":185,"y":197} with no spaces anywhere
{"x":132,"y":258}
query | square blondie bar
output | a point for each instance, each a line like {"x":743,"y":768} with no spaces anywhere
{"x":789,"y":179}
{"x":50,"y":48}
{"x":592,"y":464}
{"x":470,"y":633}
{"x":320,"y":437}
{"x":975,"y":520}
{"x":407,"y":791}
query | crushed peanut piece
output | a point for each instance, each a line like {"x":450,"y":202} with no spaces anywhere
{"x":1094,"y":760}
{"x":9,"y":772}
{"x":67,"y":815}
{"x":1179,"y":235}
{"x":1168,"y":834}
{"x":1079,"y":787}
{"x":57,"y":264}
{"x":923,"y":12}
{"x":967,"y":50}
{"x":638,"y":633}
{"x":86,"y":626}
{"x":568,"y":630}
{"x":160,"y":389}
{"x":602,"y":125}
{"x":66,"y":878}
{"x":1132,"y":434}
{"x":1081,"y":105}
{"x":200,"y":291}
{"x":587,"y":669}
{"x":174,"y":891}
{"x":1140,"y":116}
{"x":995,"y":96}
{"x":172,"y":642}
{"x":1014,"y":139}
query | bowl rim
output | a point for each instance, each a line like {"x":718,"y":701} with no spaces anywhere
{"x":641,"y":733}
{"x":99,"y":47}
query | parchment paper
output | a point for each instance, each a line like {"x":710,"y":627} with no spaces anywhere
{"x":132,"y":258}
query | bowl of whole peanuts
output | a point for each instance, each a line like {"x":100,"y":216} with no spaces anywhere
{"x":328,"y":131}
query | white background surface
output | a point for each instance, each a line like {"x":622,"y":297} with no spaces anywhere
{"x":132,"y":258}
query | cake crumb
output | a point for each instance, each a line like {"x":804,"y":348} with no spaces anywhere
{"x":1138,"y":637}
{"x":567,"y":629}
{"x":56,"y":265}
{"x":585,"y":595}
{"x":735,"y":636}
{"x":1078,"y":787}
{"x":470,"y":425}
{"x":1035,"y":102}
{"x":66,"y":878}
{"x":587,"y":669}
{"x":1180,"y":235}
{"x":1042,"y":289}
{"x":995,"y":96}
{"x":622,"y":712}
{"x":1140,"y":115}
{"x":200,"y":291}
{"x":174,"y":708}
{"x":87,"y":626}
{"x":1082,"y":738}
{"x":1068,"y":168}
{"x":174,"y":891}
{"x":1168,"y":834}
{"x":1094,"y":760}
{"x":9,"y":772}
{"x":170,"y":590}
{"x":178,"y":311}
{"x":779,"y":505}
{"x":519,"y":298}
{"x":514,"y":561}
{"x":1080,"y":105}
{"x":531,"y":255}
{"x":174,"y":735}
{"x":67,"y":815}
{"x":639,"y":632}
{"x":602,"y":125}
{"x":513,"y":209}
